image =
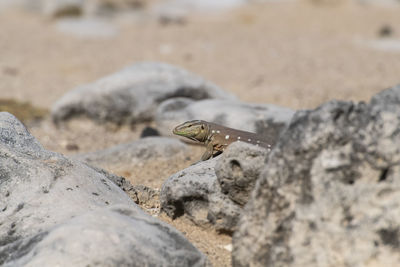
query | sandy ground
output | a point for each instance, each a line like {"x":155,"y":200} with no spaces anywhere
{"x":297,"y":55}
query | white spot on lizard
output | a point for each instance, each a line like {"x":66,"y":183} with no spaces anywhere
{"x":227,"y":136}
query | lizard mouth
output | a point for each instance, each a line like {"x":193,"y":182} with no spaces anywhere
{"x":176,"y":131}
{"x":194,"y":139}
{"x":180,"y":130}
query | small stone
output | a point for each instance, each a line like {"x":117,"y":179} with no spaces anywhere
{"x":385,"y":31}
{"x":72,"y":147}
{"x":149,"y":131}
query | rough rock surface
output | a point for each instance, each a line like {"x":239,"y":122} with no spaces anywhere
{"x":133,"y":94}
{"x":238,"y":169}
{"x":115,"y":236}
{"x":150,"y":148}
{"x":142,"y":195}
{"x":388,"y":97}
{"x":264,"y":119}
{"x":213,"y":192}
{"x":52,"y":207}
{"x":329,"y":195}
{"x":186,"y":192}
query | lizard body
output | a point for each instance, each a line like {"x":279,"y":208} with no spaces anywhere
{"x":217,"y":137}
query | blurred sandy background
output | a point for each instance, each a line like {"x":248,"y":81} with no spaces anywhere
{"x":295,"y":54}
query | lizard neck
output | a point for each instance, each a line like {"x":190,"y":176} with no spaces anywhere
{"x":208,"y":134}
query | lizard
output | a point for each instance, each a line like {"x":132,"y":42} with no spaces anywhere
{"x":217,"y":137}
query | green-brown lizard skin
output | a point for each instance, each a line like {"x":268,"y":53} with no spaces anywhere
{"x":217,"y":137}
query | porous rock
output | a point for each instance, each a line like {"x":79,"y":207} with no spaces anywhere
{"x":213,"y":192}
{"x":150,"y":148}
{"x":238,"y":169}
{"x":133,"y":94}
{"x":265,"y":119}
{"x":186,"y":192}
{"x":389,"y":97}
{"x":329,"y":193}
{"x":52,"y":207}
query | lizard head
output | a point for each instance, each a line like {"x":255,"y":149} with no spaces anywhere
{"x":196,"y":130}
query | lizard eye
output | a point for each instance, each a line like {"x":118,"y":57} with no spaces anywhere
{"x":202,"y":127}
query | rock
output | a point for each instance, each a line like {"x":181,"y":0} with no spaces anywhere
{"x":146,"y":196}
{"x":329,"y":193}
{"x":265,"y":119}
{"x":388,"y":96}
{"x":62,"y":8}
{"x":149,"y":131}
{"x":238,"y":169}
{"x":142,"y":195}
{"x":48,"y":202}
{"x":87,"y":27}
{"x":186,"y":192}
{"x":213,"y":192}
{"x":223,"y":214}
{"x":150,"y":148}
{"x":385,"y":31}
{"x":116,"y":236}
{"x":120,"y":181}
{"x":133,"y":94}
